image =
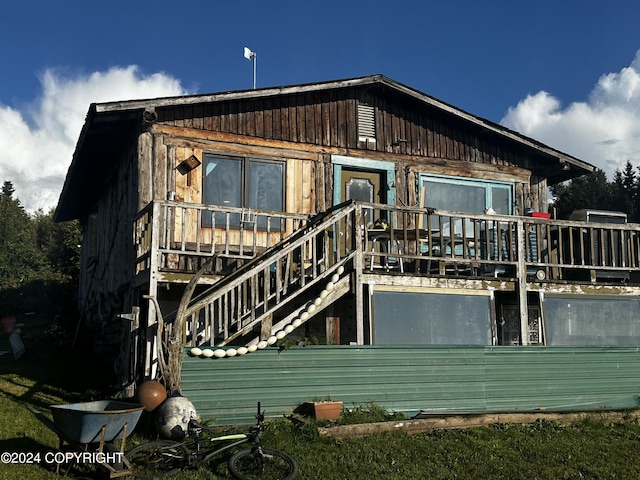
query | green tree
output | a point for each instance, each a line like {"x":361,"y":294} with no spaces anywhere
{"x":624,"y":192}
{"x":589,"y":191}
{"x":19,"y":257}
{"x":58,"y":242}
{"x":38,"y":259}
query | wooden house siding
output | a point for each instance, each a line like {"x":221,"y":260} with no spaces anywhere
{"x":329,"y":119}
{"x":107,"y":270}
{"x":304,"y":173}
{"x":302,"y":177}
{"x":309,"y":183}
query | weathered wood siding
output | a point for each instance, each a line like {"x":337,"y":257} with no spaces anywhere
{"x":326,"y":122}
{"x":329,"y":118}
{"x":301,"y":177}
{"x":107,"y":267}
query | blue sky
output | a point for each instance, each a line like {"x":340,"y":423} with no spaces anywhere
{"x":561,"y":72}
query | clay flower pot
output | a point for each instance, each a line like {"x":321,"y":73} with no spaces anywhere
{"x":327,"y":410}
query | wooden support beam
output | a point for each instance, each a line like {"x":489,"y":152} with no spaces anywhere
{"x":333,"y":330}
{"x":358,"y":263}
{"x":521,"y":272}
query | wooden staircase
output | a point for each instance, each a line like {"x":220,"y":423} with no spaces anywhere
{"x":277,"y":291}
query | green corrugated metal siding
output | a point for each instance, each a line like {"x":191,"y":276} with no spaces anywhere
{"x":410,"y":379}
{"x":562,"y":378}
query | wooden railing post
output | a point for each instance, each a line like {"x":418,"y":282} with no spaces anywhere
{"x":358,"y":269}
{"x":151,"y":347}
{"x":521,"y":274}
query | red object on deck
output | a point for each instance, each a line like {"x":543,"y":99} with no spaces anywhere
{"x":541,"y":215}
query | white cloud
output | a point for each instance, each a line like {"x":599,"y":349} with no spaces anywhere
{"x":37,"y":144}
{"x":604,"y":130}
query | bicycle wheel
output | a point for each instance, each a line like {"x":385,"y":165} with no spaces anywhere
{"x":160,"y":458}
{"x":272,"y":464}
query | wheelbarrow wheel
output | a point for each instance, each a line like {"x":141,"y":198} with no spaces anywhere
{"x":160,"y":458}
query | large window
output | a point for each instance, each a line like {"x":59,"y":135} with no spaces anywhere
{"x":592,"y":321}
{"x":243,"y":182}
{"x":418,"y":318}
{"x":465,"y":195}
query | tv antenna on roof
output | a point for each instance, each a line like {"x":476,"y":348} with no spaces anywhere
{"x":249,"y":55}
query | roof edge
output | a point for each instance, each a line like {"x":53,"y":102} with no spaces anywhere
{"x":235,"y":94}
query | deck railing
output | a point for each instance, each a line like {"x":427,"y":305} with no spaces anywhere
{"x":185,"y":235}
{"x":277,"y":279}
{"x":396,"y":239}
{"x":428,"y":241}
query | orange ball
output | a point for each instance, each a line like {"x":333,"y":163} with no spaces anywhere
{"x":151,"y":394}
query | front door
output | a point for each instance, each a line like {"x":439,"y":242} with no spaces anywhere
{"x":363,"y":186}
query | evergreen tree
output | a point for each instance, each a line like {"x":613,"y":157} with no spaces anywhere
{"x":624,"y":192}
{"x":589,"y":191}
{"x":7,"y":189}
{"x":38,"y":259}
{"x":58,"y":242}
{"x":19,"y":257}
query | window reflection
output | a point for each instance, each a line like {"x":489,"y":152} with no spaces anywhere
{"x":242,"y":182}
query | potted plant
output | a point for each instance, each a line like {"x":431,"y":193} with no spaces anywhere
{"x":326,"y":409}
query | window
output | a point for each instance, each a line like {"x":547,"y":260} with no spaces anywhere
{"x":244,"y":183}
{"x":467,"y":195}
{"x":592,"y":321}
{"x":412,"y":318}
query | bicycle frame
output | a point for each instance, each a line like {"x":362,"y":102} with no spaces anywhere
{"x":167,"y":457}
{"x":194,"y":432}
{"x":196,"y":454}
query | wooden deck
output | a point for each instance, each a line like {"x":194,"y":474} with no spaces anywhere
{"x":266,"y":277}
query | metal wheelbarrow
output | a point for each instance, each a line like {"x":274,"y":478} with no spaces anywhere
{"x":94,"y":426}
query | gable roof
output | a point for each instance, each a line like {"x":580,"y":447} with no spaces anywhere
{"x":109,"y":125}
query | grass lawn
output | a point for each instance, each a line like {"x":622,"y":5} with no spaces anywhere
{"x":592,"y":449}
{"x":46,"y":375}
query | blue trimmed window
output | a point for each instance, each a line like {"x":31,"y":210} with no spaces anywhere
{"x":465,"y":194}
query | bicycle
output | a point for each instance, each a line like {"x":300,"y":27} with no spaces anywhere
{"x":168,"y":457}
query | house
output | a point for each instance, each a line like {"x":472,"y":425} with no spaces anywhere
{"x":355,"y":239}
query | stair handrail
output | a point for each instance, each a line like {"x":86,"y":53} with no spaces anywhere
{"x":280,"y":249}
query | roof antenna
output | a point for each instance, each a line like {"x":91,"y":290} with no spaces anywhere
{"x":249,"y":55}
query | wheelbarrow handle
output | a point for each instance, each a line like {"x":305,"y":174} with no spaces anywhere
{"x":49,"y":424}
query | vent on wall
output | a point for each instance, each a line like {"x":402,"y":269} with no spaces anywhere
{"x":366,"y":123}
